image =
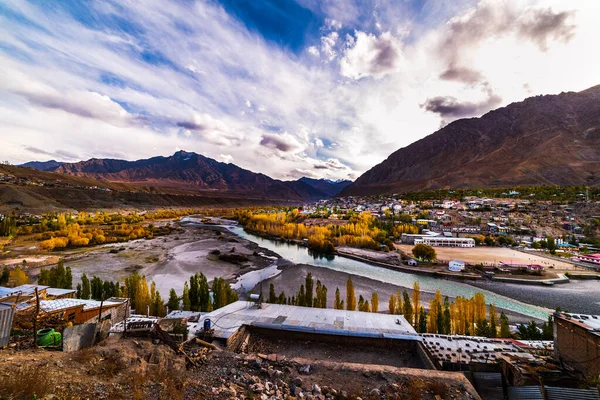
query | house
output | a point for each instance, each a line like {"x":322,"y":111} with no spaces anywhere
{"x":456,"y":266}
{"x":446,"y":241}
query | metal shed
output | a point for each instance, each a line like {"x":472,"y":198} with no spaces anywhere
{"x":6,"y":317}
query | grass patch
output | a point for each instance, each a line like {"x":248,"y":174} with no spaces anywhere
{"x":27,"y":383}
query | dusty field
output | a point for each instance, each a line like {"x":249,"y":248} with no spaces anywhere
{"x":491,"y":256}
{"x":167,"y":260}
{"x":32,"y":260}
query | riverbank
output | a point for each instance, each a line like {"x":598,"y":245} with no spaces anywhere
{"x":293,"y":275}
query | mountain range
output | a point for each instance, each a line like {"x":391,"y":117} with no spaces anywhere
{"x":187,"y":172}
{"x":543,"y":140}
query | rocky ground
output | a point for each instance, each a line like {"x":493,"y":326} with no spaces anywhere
{"x":138,"y":369}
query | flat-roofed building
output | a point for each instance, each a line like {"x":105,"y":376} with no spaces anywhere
{"x":441,"y":241}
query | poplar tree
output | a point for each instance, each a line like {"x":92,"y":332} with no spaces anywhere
{"x":504,"y":328}
{"x":185,"y":297}
{"x":374,"y":302}
{"x":173,"y":302}
{"x":392,"y":304}
{"x":408,"y":310}
{"x":350,"y":296}
{"x":492,"y":324}
{"x":416,"y":300}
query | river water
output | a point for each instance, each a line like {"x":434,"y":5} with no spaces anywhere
{"x":301,"y":255}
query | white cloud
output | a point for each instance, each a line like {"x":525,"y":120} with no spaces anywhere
{"x":89,"y":93}
{"x":371,"y":56}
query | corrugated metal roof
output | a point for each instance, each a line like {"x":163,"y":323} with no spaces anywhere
{"x":489,"y":385}
{"x":24,"y":290}
{"x":558,"y":393}
{"x":58,"y":292}
{"x":525,"y":393}
{"x":469,"y":349}
{"x":61,"y":304}
{"x":229,"y":319}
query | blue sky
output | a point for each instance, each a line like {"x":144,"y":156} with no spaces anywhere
{"x":319,"y":88}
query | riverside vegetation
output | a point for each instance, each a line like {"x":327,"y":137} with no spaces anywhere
{"x":362,"y":230}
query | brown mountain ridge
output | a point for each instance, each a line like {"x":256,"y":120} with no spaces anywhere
{"x":543,"y":140}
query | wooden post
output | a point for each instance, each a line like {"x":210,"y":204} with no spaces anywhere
{"x":35,"y":317}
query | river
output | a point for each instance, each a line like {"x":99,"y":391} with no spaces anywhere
{"x":300,"y":255}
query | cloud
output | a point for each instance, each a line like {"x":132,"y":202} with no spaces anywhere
{"x":58,"y":155}
{"x":370,"y":56}
{"x":226,"y":158}
{"x":544,"y":24}
{"x":451,"y":107}
{"x":210,"y":129}
{"x":284,"y":142}
{"x":332,"y":164}
{"x":461,"y":74}
{"x":328,"y":43}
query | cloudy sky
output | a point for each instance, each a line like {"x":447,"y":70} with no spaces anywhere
{"x":290,"y":88}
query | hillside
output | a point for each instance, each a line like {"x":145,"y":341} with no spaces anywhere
{"x":543,"y":140}
{"x":189,"y":172}
{"x":50,"y":165}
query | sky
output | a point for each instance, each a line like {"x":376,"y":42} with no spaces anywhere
{"x":289,"y":88}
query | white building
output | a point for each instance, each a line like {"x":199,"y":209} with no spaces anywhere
{"x":456,"y":266}
{"x":446,"y":241}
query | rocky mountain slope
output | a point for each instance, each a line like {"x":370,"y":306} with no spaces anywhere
{"x":543,"y":140}
{"x":188,"y":172}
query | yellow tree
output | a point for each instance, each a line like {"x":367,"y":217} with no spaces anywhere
{"x":416,"y":300}
{"x":350,"y":296}
{"x":142,"y":296}
{"x":392,"y":304}
{"x":374,"y":302}
{"x":435,"y":313}
{"x":18,"y":277}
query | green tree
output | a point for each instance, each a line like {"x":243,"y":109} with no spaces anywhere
{"x":339,"y":303}
{"x":493,"y":324}
{"x":551,"y":245}
{"x":173,"y":302}
{"x":446,"y":318}
{"x":482,"y":328}
{"x":86,"y":290}
{"x":185,"y":297}
{"x":4,"y":278}
{"x":424,"y":252}
{"x":407,"y":310}
{"x":422,"y":327}
{"x":272,"y":294}
{"x":308,"y":300}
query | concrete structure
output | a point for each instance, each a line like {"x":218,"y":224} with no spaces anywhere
{"x":528,"y":267}
{"x":446,"y":241}
{"x":410,"y":238}
{"x":456,"y":266}
{"x":229,"y":319}
{"x":577,"y":342}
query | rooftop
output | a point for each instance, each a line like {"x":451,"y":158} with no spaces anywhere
{"x":24,"y":290}
{"x":62,"y":304}
{"x":59,"y":292}
{"x":589,"y":322}
{"x":469,"y":349}
{"x":227,"y":320}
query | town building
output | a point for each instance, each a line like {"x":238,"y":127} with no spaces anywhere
{"x":588,"y":258}
{"x":577,"y":342}
{"x":456,"y":266}
{"x":446,"y":241}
